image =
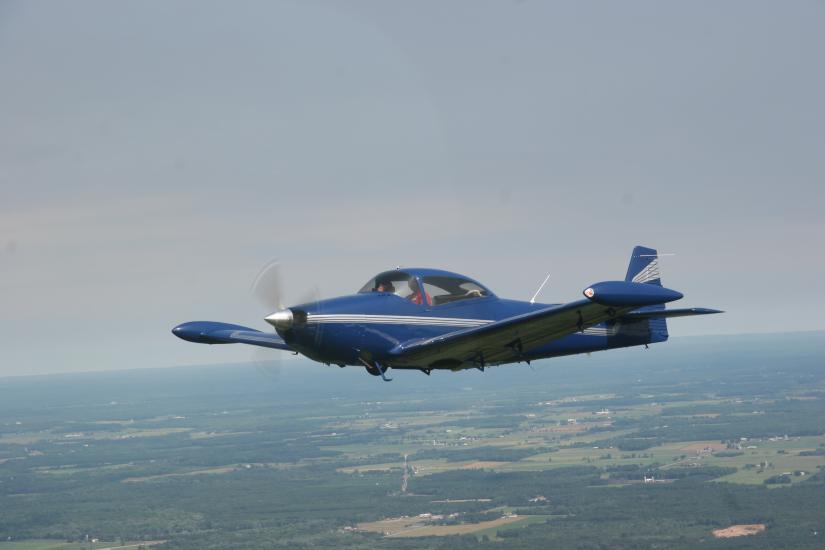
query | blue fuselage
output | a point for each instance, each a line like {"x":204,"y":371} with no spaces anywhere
{"x":342,"y":330}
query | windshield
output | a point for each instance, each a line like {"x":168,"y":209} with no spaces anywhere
{"x":444,"y":289}
{"x":395,"y":282}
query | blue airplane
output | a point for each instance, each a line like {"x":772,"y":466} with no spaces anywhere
{"x":427,"y":319}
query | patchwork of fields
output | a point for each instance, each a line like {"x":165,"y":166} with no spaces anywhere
{"x":659,"y":456}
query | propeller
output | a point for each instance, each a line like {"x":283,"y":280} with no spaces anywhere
{"x":267,"y":289}
{"x":267,"y":361}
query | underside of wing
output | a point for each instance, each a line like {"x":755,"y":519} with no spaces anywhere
{"x":506,"y":340}
{"x":210,"y":332}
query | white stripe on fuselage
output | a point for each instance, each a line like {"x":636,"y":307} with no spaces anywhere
{"x":601,"y":331}
{"x":394,"y":320}
{"x":355,"y":318}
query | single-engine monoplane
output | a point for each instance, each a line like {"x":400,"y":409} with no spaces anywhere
{"x":426,"y":319}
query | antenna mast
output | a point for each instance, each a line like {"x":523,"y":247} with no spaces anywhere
{"x":533,"y":299}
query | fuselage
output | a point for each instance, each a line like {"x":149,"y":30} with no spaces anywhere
{"x":344,"y":330}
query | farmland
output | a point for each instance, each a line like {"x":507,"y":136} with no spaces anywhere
{"x":640,"y":448}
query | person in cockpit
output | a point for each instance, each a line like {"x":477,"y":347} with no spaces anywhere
{"x":416,"y":297}
{"x":385,"y":286}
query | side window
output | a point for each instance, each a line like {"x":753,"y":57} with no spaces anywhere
{"x":399,"y":283}
{"x":436,"y":293}
{"x":444,"y":290}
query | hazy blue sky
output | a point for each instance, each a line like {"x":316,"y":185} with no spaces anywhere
{"x":154,"y":155}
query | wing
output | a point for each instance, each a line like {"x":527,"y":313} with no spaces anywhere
{"x":505,"y":340}
{"x":210,"y":332}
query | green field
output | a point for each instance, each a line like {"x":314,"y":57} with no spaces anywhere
{"x":46,"y":544}
{"x":655,"y":452}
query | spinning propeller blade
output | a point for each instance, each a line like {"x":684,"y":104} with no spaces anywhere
{"x":267,"y":289}
{"x":268,"y":362}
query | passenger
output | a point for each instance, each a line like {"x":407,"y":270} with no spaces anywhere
{"x":416,"y":297}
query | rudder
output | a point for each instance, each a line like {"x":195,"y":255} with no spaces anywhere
{"x":644,"y":268}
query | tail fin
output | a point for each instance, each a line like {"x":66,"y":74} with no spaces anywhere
{"x":644,"y":268}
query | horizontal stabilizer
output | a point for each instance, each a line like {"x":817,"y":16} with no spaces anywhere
{"x":686,"y":312}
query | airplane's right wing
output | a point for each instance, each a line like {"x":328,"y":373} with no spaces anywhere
{"x":506,"y":340}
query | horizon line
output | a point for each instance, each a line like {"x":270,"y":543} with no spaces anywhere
{"x":238,"y":363}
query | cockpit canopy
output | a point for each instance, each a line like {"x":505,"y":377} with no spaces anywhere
{"x":439,"y":287}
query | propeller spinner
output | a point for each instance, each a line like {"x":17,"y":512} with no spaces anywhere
{"x":268,"y":290}
{"x":281,"y":319}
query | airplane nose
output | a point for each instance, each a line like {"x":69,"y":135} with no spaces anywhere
{"x":281,"y":320}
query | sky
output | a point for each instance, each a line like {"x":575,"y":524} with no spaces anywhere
{"x":154,"y":155}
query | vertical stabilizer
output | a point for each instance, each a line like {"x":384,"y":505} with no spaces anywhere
{"x":644,"y":268}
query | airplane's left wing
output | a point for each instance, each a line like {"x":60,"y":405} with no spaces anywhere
{"x":506,"y":340}
{"x":210,"y":332}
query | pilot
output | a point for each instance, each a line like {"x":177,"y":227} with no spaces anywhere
{"x":385,"y":286}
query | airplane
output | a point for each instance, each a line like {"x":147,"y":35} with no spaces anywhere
{"x":430,"y":319}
